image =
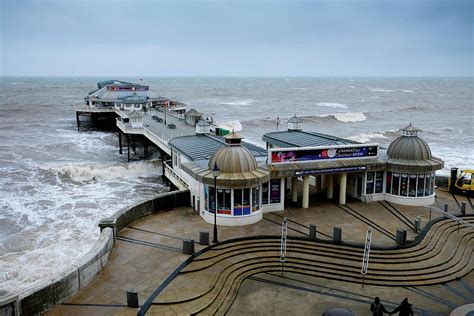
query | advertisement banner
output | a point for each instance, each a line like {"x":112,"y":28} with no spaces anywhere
{"x":289,"y":155}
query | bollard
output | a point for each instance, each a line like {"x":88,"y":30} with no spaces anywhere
{"x":446,"y":207}
{"x":132,"y":298}
{"x":337,"y":235}
{"x":463,"y":208}
{"x":401,"y":236}
{"x":204,"y":238}
{"x":417,"y":224}
{"x":312,"y":231}
{"x":188,"y":246}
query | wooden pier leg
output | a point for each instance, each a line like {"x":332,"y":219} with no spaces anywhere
{"x":120,"y":142}
{"x":77,"y":120}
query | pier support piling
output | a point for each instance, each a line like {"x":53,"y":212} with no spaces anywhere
{"x":120,"y":142}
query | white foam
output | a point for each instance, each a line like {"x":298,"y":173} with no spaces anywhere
{"x":94,"y":172}
{"x":350,"y":117}
{"x":381,"y":90}
{"x":366,"y":137}
{"x":332,"y":105}
{"x":407,"y":91}
{"x":256,"y":142}
{"x":241,"y":102}
{"x":234,"y":125}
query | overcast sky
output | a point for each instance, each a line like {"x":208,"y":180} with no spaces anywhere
{"x":237,"y":38}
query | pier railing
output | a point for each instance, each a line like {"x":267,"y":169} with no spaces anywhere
{"x":158,"y":140}
{"x":174,"y":177}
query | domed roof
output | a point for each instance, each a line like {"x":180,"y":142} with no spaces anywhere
{"x":233,"y":158}
{"x":294,"y":119}
{"x":238,"y":167}
{"x":410,"y":153}
{"x":409,"y":146}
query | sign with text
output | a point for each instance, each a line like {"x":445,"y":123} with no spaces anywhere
{"x":282,"y":155}
{"x":330,"y":170}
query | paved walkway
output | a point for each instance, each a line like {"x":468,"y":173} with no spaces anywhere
{"x":150,"y":249}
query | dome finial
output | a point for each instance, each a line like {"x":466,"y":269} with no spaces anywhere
{"x":234,"y":139}
{"x":410,"y":130}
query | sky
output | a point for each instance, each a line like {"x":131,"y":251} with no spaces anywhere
{"x":236,"y":38}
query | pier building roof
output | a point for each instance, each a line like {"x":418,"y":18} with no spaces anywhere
{"x":296,"y":138}
{"x":115,"y":90}
{"x":203,"y":146}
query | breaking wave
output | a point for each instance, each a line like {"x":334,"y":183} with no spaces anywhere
{"x":241,"y":102}
{"x":332,"y":105}
{"x":367,"y":137}
{"x":96,"y":172}
{"x":350,"y":117}
{"x":234,"y":125}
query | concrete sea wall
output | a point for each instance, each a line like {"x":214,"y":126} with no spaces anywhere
{"x":57,"y":289}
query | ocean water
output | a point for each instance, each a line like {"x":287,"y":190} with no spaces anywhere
{"x":57,"y":183}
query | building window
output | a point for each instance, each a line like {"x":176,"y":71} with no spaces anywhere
{"x":369,"y":186}
{"x":212,"y":199}
{"x":432,"y":183}
{"x":404,"y":185}
{"x":275,"y":191}
{"x":420,"y":189}
{"x":241,"y":202}
{"x":427,"y":184}
{"x":224,"y":201}
{"x":412,"y":185}
{"x":396,"y":183}
{"x":265,"y":193}
{"x":379,"y":182}
{"x":255,"y":199}
{"x":388,"y":184}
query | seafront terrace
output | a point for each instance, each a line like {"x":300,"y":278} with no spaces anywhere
{"x":149,"y":249}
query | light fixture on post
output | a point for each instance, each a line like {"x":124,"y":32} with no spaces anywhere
{"x":215,"y":172}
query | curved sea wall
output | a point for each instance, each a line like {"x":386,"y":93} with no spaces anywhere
{"x":57,"y":289}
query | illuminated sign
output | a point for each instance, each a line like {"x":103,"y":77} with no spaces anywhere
{"x":298,"y":154}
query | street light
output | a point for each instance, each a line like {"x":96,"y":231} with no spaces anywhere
{"x":215,"y":172}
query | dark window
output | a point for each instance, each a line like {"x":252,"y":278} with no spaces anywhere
{"x":238,"y":202}
{"x":404,"y":185}
{"x":265,"y":193}
{"x":379,"y":182}
{"x":369,"y":186}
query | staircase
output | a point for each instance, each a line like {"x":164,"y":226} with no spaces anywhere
{"x":210,"y":282}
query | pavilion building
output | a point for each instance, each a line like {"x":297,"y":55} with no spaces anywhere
{"x":252,"y":180}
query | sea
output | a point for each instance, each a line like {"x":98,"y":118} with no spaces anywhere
{"x":57,"y":183}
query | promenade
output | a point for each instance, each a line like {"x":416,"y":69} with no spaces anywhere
{"x":149,"y":249}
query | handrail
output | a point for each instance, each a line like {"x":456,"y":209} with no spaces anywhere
{"x":170,"y":169}
{"x":458,"y":220}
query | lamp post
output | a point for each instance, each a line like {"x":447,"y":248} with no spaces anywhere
{"x":215,"y":172}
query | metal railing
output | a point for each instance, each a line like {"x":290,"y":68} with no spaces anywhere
{"x":458,"y":220}
{"x":172,"y":175}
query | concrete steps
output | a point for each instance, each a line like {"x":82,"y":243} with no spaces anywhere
{"x":209,"y":284}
